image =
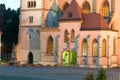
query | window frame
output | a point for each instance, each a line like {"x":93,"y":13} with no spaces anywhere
{"x":84,"y":48}
{"x":86,"y":8}
{"x":95,"y":48}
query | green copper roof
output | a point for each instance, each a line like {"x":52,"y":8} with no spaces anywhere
{"x":54,"y":8}
{"x":53,"y":15}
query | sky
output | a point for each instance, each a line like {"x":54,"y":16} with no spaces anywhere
{"x":13,"y":4}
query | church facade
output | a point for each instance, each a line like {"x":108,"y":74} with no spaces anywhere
{"x":82,"y":33}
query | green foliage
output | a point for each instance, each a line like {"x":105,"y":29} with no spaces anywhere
{"x":2,"y":11}
{"x":89,"y":76}
{"x":9,"y":24}
{"x":102,"y":74}
{"x":4,"y":62}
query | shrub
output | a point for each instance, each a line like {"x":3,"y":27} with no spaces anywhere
{"x":89,"y":76}
{"x":102,"y":74}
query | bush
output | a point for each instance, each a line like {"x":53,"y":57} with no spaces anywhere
{"x":4,"y":61}
{"x":89,"y":76}
{"x":102,"y":74}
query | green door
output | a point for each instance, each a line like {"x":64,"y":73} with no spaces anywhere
{"x":69,"y":58}
{"x":65,"y":58}
{"x":73,"y":58}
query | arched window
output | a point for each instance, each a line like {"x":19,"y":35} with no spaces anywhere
{"x":84,"y":47}
{"x":95,"y":48}
{"x":28,"y":4}
{"x":65,"y":36}
{"x":34,"y":3}
{"x":65,"y":6}
{"x":86,"y":8}
{"x":50,"y":45}
{"x":72,"y":36}
{"x":30,"y":19}
{"x":105,"y":9}
{"x":103,"y":48}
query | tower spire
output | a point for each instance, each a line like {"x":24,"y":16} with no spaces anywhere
{"x":54,"y":8}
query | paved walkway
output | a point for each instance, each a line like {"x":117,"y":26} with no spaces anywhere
{"x":48,"y":73}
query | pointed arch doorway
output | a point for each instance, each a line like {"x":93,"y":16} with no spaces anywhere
{"x":30,"y":58}
{"x":69,"y":58}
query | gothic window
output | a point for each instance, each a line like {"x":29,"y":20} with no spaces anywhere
{"x":65,"y":6}
{"x":103,"y":48}
{"x":105,"y":9}
{"x":72,"y":36}
{"x":30,"y":19}
{"x":95,"y":48}
{"x":84,"y":47}
{"x":50,"y":45}
{"x":86,"y":8}
{"x":65,"y":36}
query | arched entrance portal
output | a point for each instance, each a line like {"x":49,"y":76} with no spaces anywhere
{"x":69,"y":58}
{"x":30,"y":58}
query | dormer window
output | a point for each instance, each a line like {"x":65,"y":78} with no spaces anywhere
{"x":69,"y":14}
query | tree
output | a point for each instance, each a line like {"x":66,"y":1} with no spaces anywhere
{"x":10,"y":28}
{"x":102,"y":75}
{"x":2,"y":11}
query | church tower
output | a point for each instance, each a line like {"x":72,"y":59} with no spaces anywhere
{"x":28,"y":48}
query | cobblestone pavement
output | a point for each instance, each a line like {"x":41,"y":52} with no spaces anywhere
{"x":48,"y":73}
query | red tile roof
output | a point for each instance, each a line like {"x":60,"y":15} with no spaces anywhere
{"x":73,"y":12}
{"x":94,"y":21}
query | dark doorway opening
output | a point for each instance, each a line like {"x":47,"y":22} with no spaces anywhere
{"x":30,"y":58}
